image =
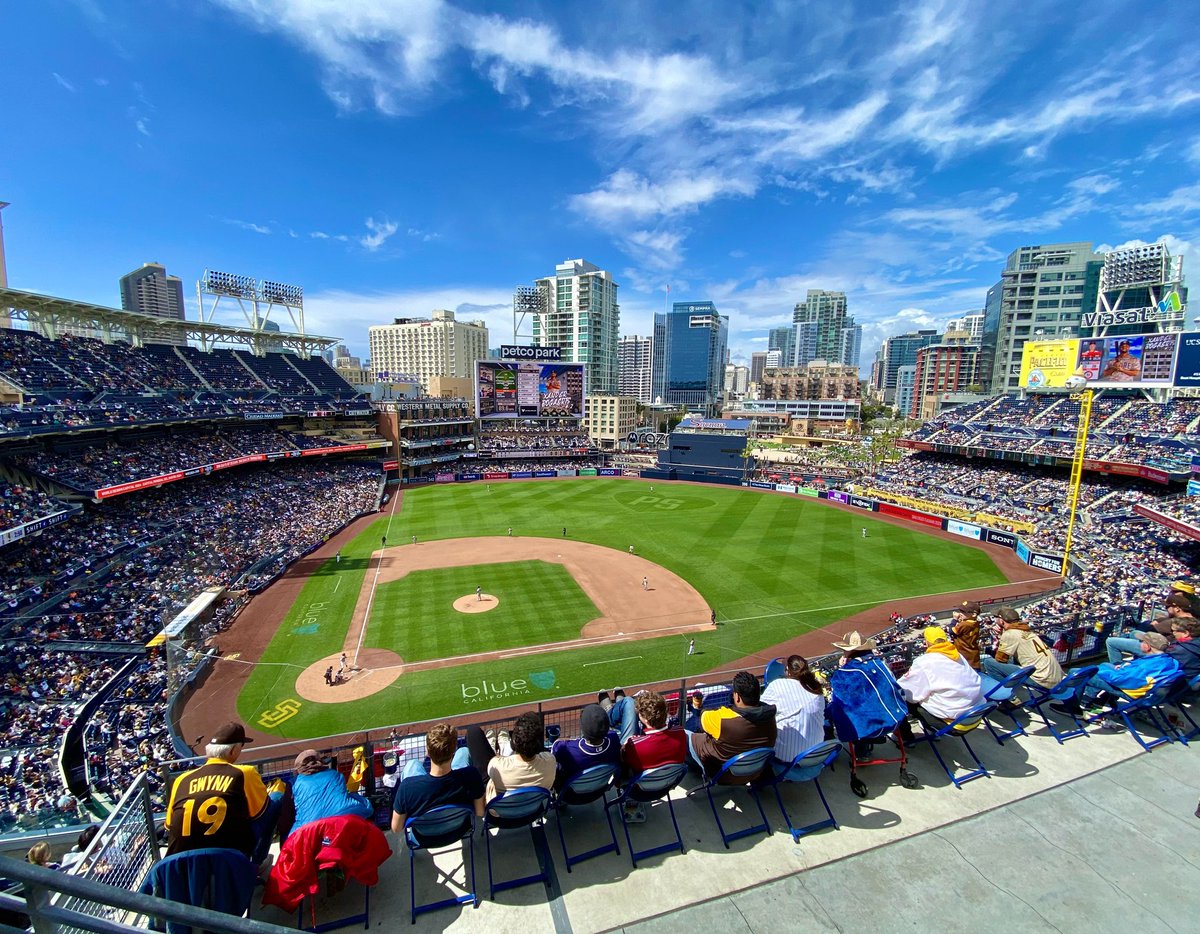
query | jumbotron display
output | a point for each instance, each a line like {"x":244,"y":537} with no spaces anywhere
{"x":527,"y":389}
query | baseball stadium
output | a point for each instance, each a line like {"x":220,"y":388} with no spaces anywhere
{"x":215,"y":543}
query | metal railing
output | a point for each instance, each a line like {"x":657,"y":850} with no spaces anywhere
{"x":119,"y":856}
{"x":58,"y":903}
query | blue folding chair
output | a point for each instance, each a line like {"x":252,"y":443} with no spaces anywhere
{"x":774,"y":671}
{"x":1150,"y":706}
{"x":436,"y":828}
{"x":1068,"y":691}
{"x":652,"y":785}
{"x":520,"y":807}
{"x":807,"y":767}
{"x":1183,"y":691}
{"x":959,"y":727}
{"x":589,"y":785}
{"x":998,"y":692}
{"x":743,"y":769}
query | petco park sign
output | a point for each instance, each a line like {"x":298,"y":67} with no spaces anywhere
{"x":523,"y":352}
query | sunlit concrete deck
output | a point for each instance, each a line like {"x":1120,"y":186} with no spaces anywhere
{"x":1094,"y":835}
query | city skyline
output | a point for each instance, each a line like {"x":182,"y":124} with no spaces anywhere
{"x":395,"y":159}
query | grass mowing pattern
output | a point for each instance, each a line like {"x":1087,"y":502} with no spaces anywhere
{"x":771,"y":566}
{"x":539,"y":602}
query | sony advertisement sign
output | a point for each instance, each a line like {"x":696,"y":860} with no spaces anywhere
{"x":524,"y":352}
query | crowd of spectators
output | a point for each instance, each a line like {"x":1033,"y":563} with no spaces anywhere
{"x":108,"y":464}
{"x":116,"y":574}
{"x":22,"y":504}
{"x":522,"y":441}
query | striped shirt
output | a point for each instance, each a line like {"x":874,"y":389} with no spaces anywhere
{"x":800,"y":717}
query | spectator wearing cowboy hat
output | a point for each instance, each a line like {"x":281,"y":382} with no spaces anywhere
{"x":941,"y":682}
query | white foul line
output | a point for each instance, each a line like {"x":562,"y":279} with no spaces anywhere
{"x":362,"y":633}
{"x":609,"y":661}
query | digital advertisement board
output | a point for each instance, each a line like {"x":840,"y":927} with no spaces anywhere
{"x":1126,"y":360}
{"x":527,"y":389}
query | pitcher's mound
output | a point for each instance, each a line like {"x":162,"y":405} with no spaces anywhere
{"x":472,"y":604}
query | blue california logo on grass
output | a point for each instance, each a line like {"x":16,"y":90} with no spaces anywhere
{"x":543,"y":679}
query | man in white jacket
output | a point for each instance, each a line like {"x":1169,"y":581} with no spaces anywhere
{"x":940,"y":681}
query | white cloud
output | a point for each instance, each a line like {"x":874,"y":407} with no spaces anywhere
{"x":349,"y":314}
{"x":381,"y":231}
{"x":63,"y":82}
{"x":246,"y":225}
{"x":1177,"y":246}
{"x":143,"y":125}
{"x":627,"y":196}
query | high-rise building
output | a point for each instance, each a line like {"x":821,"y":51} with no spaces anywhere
{"x":826,"y":313}
{"x":899,"y":351}
{"x":906,"y":378}
{"x":151,"y":291}
{"x":1041,"y":294}
{"x":581,"y":315}
{"x":774,"y":360}
{"x":972,"y":324}
{"x":633,"y":367}
{"x":758,"y":364}
{"x":737,"y":380}
{"x":851,"y":345}
{"x":784,"y":340}
{"x":689,"y":355}
{"x":815,"y":381}
{"x":949,"y":366}
{"x":427,"y":348}
{"x":806,"y":343}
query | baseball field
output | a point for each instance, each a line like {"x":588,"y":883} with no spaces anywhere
{"x":456,"y":613}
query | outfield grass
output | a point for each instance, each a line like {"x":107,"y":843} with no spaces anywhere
{"x":772,"y":567}
{"x":539,"y":602}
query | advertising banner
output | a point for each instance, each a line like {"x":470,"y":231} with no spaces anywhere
{"x":762,"y":485}
{"x":887,"y":509}
{"x":965,"y":529}
{"x":862,"y":503}
{"x":624,"y":473}
{"x":444,"y":478}
{"x":134,"y":485}
{"x":238,"y":461}
{"x":615,"y":472}
{"x":1023,"y":551}
{"x":837,"y":496}
{"x":785,"y":488}
{"x":1051,"y":563}
{"x":1174,"y":524}
{"x":996,"y":537}
{"x":564,"y":473}
{"x":528,"y":390}
{"x":470,"y":476}
{"x":529,"y":352}
{"x":544,"y":473}
{"x":336,"y":449}
{"x":496,"y":475}
{"x":414,"y":480}
{"x":1154,"y":474}
{"x":1047,"y":364}
{"x":808,"y":491}
{"x":521,"y":474}
{"x":587,"y":472}
{"x":391,"y":465}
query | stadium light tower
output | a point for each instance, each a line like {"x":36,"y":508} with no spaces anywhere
{"x":251,"y":296}
{"x":1084,"y":397}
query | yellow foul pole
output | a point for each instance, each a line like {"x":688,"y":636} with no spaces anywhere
{"x":1081,"y":434}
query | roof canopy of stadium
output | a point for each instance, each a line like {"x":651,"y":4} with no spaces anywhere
{"x":53,"y":317}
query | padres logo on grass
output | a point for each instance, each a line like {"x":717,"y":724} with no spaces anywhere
{"x":284,"y":710}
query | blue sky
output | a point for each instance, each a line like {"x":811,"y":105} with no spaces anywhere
{"x":395,"y":157}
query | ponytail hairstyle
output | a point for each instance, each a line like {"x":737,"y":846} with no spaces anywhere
{"x":798,"y":670}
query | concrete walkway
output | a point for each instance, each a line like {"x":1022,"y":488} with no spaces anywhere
{"x":1093,"y":835}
